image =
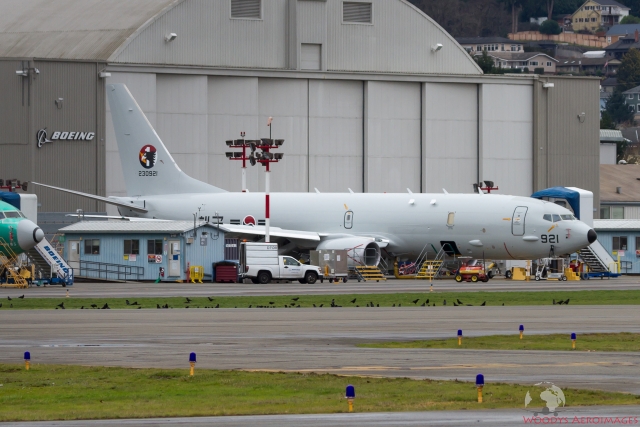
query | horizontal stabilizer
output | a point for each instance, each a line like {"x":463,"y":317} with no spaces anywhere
{"x":98,"y":198}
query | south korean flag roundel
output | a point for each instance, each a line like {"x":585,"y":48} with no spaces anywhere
{"x":148,"y":156}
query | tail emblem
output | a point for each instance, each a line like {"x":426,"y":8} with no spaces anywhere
{"x":148,"y":156}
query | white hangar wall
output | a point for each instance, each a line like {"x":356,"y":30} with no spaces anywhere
{"x":373,"y":136}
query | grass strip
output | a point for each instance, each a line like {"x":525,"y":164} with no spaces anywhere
{"x":624,"y":341}
{"x":599,"y":297}
{"x":57,"y":392}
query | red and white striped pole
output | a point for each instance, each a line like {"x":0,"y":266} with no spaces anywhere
{"x":266,"y":190}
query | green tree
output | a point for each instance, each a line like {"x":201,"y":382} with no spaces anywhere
{"x":514,"y":6}
{"x":606,"y":122}
{"x":629,"y":70}
{"x":630,"y":19}
{"x":485,"y":62}
{"x":617,"y":109}
{"x":550,"y":27}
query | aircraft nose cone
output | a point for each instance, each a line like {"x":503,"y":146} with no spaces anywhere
{"x":592,"y":236}
{"x":29,"y":234}
{"x":38,"y":235}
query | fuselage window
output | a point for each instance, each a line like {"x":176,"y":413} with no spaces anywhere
{"x":12,"y":214}
{"x":556,"y":218}
{"x":547,"y":217}
{"x":451,"y":218}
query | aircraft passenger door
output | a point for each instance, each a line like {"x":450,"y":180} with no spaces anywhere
{"x":348,"y":219}
{"x":74,"y":255}
{"x":174,"y":258}
{"x":517,"y":222}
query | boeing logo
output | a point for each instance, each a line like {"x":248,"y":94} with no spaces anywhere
{"x":43,"y":138}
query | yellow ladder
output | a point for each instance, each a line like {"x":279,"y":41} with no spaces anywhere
{"x":8,"y":262}
{"x":370,"y":273}
{"x":429,"y":269}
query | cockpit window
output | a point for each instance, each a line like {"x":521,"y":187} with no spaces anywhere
{"x":547,"y":217}
{"x":556,"y":218}
{"x":568,"y":217}
{"x":1,"y":215}
{"x":12,"y":214}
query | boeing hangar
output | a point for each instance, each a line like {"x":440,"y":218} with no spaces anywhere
{"x":371,"y":95}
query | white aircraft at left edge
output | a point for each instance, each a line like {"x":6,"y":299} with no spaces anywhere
{"x":403,"y":224}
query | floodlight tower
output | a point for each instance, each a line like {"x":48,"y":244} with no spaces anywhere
{"x":237,"y":155}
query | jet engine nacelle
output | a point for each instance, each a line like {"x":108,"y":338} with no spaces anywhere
{"x":360,"y":250}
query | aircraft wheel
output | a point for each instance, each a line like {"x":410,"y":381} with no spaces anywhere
{"x":564,"y":278}
{"x":508,"y":274}
{"x":264,"y":277}
{"x":310,"y":277}
{"x":474,"y":278}
{"x":458,"y":278}
{"x":490,"y":274}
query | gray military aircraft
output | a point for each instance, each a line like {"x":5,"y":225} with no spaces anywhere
{"x":403,"y":224}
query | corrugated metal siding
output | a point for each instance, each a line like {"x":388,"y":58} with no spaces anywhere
{"x":67,"y":164}
{"x":246,"y":9}
{"x":629,"y":258}
{"x":507,"y":138}
{"x":335,"y":135}
{"x":573,"y":141}
{"x":450,"y":134}
{"x":399,"y":41}
{"x":392,"y":137}
{"x":632,"y":212}
{"x":208,"y":36}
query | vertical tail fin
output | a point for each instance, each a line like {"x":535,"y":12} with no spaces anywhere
{"x":147,"y":165}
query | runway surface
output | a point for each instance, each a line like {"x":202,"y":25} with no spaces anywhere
{"x":142,"y":289}
{"x":441,"y":418}
{"x":322,"y":340}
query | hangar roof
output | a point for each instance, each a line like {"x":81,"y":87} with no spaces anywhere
{"x":71,"y":29}
{"x":398,"y":38}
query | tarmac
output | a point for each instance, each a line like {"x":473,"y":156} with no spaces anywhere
{"x":323,"y":340}
{"x":142,"y":289}
{"x":594,"y":415}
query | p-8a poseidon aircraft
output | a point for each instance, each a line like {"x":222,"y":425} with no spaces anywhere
{"x":403,"y":224}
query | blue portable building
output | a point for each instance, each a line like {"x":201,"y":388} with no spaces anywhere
{"x":621,"y":237}
{"x":141,"y":250}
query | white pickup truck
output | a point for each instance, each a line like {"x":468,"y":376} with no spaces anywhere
{"x":261,"y":263}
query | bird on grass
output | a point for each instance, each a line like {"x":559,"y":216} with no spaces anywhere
{"x":415,"y":301}
{"x":554,"y":301}
{"x":127,"y":302}
{"x":139,"y":307}
{"x":271,"y":302}
{"x":0,"y":305}
{"x":460,"y":302}
{"x":166,"y":305}
{"x":320,"y":305}
{"x":314,"y":305}
{"x":82,"y":308}
{"x":454,"y":304}
{"x":483,"y":304}
{"x":9,"y":298}
{"x":427,"y":301}
{"x":158,"y":306}
{"x":423,"y":304}
{"x":21,"y":297}
{"x":503,"y":304}
{"x":566,"y":302}
{"x":399,"y":305}
{"x":61,"y":305}
{"x":210,"y":299}
{"x":135,"y":303}
{"x":217,"y":306}
{"x":188,"y":300}
{"x":394,"y":304}
{"x":353,"y":301}
{"x":295,"y":299}
{"x":106,"y":307}
{"x":94,"y":306}
{"x":444,"y":302}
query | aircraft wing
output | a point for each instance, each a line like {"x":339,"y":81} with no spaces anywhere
{"x":306,"y":237}
{"x":115,"y":217}
{"x":94,"y":197}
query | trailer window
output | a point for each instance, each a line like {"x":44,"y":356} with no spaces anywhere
{"x":154,"y":247}
{"x":619,"y":243}
{"x":92,"y":247}
{"x":132,"y":247}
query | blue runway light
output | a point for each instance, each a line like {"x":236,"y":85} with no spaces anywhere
{"x":459,"y":332}
{"x":27,"y":355}
{"x":479,"y":380}
{"x":521,"y":328}
{"x":573,"y":335}
{"x":350,"y":392}
{"x":192,"y":357}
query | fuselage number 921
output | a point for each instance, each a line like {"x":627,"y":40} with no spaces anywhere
{"x":549,"y":238}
